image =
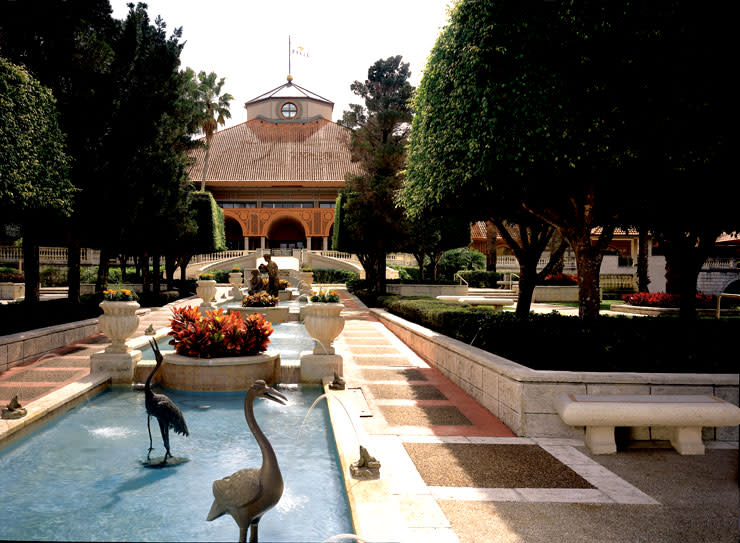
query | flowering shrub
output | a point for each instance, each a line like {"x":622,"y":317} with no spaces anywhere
{"x":561,"y":279}
{"x":205,"y":276}
{"x":218,"y":334}
{"x":663,"y":299}
{"x":236,"y":269}
{"x":10,"y":277}
{"x":259,"y":299}
{"x":120,"y":295}
{"x":283,"y":284}
{"x":330,"y":297}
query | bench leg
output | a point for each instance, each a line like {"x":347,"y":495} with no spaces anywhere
{"x":600,"y":439}
{"x":687,"y":440}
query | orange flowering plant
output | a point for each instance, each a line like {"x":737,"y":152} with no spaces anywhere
{"x":259,"y":299}
{"x":119,"y":295}
{"x":218,"y":334}
{"x":330,"y":297}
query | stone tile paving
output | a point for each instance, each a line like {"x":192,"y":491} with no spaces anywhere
{"x":509,"y":505}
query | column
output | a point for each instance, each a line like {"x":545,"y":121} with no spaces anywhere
{"x":325,"y":243}
{"x":308,"y":242}
{"x":246,"y":243}
{"x":262,"y":243}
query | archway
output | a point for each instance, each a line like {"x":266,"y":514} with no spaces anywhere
{"x":286,"y":233}
{"x":234,"y":234}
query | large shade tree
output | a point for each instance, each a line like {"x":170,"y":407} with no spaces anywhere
{"x":372,"y":222}
{"x":543,"y":107}
{"x":34,"y":167}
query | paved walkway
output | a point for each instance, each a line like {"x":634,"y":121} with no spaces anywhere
{"x":454,"y":472}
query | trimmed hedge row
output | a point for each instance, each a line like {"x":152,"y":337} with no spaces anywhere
{"x":334,"y":276}
{"x":557,"y":342}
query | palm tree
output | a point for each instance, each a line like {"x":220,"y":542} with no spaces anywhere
{"x":214,"y":110}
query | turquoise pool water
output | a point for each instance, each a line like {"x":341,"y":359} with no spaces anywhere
{"x":81,"y":477}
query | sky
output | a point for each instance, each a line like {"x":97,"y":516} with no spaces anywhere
{"x":246,"y":41}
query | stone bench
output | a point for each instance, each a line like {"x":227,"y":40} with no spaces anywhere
{"x":685,"y":414}
{"x":497,"y":303}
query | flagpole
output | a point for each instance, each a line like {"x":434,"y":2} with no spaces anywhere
{"x":288,"y":54}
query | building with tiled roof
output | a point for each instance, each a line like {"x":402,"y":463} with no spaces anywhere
{"x":278,"y":174}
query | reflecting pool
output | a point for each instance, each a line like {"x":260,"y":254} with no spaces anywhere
{"x":81,"y":476}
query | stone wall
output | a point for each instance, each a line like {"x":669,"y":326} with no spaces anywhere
{"x":523,"y":398}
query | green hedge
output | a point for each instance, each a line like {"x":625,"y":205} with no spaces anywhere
{"x":481,"y":278}
{"x":557,"y":342}
{"x":334,"y":276}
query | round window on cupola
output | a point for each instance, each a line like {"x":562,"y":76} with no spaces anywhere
{"x":289,"y":110}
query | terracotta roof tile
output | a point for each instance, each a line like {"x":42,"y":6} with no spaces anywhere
{"x":258,"y":150}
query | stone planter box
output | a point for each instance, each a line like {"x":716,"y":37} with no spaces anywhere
{"x":213,"y":374}
{"x":523,"y":398}
{"x":547,"y":293}
{"x":410,"y":289}
{"x":655,"y":311}
{"x":284,"y":295}
{"x":275,"y":315}
{"x":12,"y":291}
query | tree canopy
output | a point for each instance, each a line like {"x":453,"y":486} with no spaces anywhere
{"x":541,"y":107}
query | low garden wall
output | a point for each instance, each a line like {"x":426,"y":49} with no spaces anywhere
{"x":410,"y":289}
{"x":554,"y":293}
{"x":522,"y":398}
{"x":12,"y":291}
{"x":23,"y":346}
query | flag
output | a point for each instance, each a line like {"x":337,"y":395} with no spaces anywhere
{"x":300,"y":51}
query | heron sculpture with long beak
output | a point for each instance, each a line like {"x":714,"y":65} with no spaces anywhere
{"x":160,"y":406}
{"x":249,"y":493}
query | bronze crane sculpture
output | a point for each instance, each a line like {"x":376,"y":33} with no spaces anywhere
{"x":163,"y":409}
{"x":249,"y":493}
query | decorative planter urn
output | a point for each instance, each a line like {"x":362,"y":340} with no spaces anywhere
{"x":235,"y":280}
{"x":206,"y":291}
{"x":324,"y":323}
{"x":118,"y":321}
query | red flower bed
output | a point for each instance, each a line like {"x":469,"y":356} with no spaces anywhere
{"x":218,"y":334}
{"x":560,"y":280}
{"x":663,"y":299}
{"x":9,"y":277}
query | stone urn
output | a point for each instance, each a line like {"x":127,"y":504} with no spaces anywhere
{"x":324,"y":323}
{"x":118,"y":321}
{"x":235,"y":280}
{"x":206,"y":291}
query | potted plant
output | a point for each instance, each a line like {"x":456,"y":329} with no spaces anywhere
{"x":235,"y":280}
{"x":119,"y":320}
{"x":206,"y":290}
{"x":323,"y":320}
{"x":218,"y":351}
{"x":264,"y":303}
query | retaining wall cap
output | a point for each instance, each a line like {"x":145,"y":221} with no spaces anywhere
{"x":521,"y":373}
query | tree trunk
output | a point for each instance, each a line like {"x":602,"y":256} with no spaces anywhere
{"x":205,"y":168}
{"x":685,"y":255}
{"x":73,"y":267}
{"x":185,"y":259}
{"x":170,"y":263}
{"x":588,"y":262}
{"x":642,"y":261}
{"x":527,"y":282}
{"x":31,"y":264}
{"x":102,"y":282}
{"x":420,"y":258}
{"x":491,"y":257}
{"x":122,"y":259}
{"x":156,"y":274}
{"x":145,"y":277}
{"x":381,"y":264}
